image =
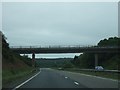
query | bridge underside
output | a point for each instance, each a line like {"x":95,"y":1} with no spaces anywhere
{"x":64,"y":50}
{"x":94,"y":50}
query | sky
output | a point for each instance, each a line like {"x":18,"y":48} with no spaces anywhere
{"x":61,"y":23}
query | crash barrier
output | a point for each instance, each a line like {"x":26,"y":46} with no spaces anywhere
{"x":94,"y":70}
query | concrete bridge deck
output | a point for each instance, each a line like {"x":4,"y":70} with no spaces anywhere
{"x":66,"y":49}
{"x":63,"y":49}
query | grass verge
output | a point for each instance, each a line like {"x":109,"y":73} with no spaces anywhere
{"x":100,"y":74}
{"x":15,"y":75}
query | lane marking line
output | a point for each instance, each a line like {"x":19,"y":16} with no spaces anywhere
{"x":76,"y":83}
{"x":27,"y":80}
{"x":66,"y":77}
{"x":96,"y":76}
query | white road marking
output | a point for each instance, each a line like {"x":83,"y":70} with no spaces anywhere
{"x":26,"y":81}
{"x":76,"y":83}
{"x":96,"y":76}
{"x":66,"y":77}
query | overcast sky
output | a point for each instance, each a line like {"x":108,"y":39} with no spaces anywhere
{"x":26,"y":24}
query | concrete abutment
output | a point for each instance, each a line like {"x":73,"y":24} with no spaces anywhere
{"x":33,"y":59}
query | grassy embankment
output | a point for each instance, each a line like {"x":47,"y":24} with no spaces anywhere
{"x":13,"y":71}
{"x":14,"y":66}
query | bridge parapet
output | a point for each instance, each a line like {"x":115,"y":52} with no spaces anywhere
{"x":64,"y":49}
{"x":64,"y":46}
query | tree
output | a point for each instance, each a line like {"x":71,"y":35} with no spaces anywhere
{"x":87,"y":60}
{"x":4,"y":42}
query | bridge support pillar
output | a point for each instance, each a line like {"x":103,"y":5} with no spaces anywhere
{"x":33,"y":59}
{"x":96,"y":59}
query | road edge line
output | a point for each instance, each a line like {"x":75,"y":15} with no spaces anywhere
{"x":27,"y":80}
{"x":100,"y":77}
{"x":95,"y":76}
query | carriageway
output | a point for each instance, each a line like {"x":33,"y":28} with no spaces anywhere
{"x":65,"y":49}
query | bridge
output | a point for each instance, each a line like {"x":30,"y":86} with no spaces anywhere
{"x":65,"y":49}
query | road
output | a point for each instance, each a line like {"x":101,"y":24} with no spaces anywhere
{"x":50,"y":78}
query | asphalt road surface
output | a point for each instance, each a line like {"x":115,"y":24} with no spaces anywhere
{"x":50,"y":78}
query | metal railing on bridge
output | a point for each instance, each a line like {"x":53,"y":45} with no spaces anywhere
{"x":65,"y":46}
{"x":54,"y":46}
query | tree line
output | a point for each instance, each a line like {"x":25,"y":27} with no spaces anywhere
{"x":107,"y":60}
